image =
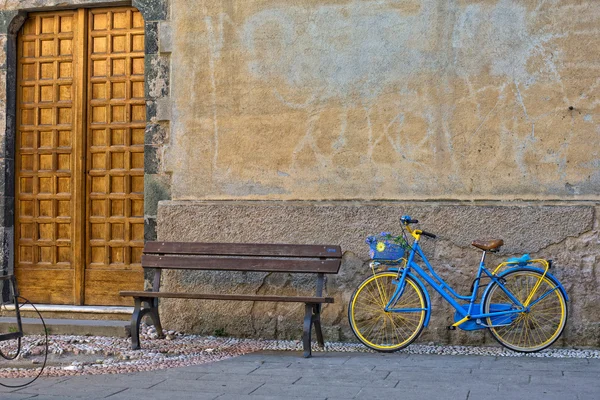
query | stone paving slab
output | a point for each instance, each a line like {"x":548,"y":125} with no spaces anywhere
{"x":309,"y":391}
{"x":354,"y":381}
{"x":44,"y":397}
{"x":75,"y":388}
{"x":523,"y":392}
{"x":333,"y":373}
{"x":563,"y":381}
{"x":132,"y":381}
{"x":238,"y":386}
{"x":215,"y":377}
{"x":428,"y":392}
{"x":40,"y":383}
{"x":452,"y":363}
{"x":331,"y":376}
{"x":219,"y":367}
{"x":260,"y":397}
{"x":593,"y":373}
{"x":14,"y":396}
{"x":137,"y":394}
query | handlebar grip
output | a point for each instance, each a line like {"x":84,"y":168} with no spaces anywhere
{"x":431,"y":235}
{"x":406,"y":219}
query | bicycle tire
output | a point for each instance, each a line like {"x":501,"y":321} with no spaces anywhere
{"x":534,"y":330}
{"x":386,"y":331}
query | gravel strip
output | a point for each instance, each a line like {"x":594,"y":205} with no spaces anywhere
{"x":114,"y":355}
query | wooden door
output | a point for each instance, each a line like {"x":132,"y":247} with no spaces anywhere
{"x":115,"y":153}
{"x":64,"y":193}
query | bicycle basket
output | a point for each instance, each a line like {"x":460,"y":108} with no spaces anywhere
{"x":385,"y":246}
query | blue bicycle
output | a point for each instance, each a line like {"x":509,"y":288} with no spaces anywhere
{"x":523,"y":306}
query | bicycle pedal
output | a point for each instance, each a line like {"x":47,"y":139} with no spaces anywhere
{"x":451,"y":328}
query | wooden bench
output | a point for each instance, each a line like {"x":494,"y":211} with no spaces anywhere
{"x":284,"y":258}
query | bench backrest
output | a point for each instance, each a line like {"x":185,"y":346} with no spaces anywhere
{"x":243,"y":257}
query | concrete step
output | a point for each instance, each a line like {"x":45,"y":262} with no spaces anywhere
{"x":56,"y":326}
{"x":59,"y":311}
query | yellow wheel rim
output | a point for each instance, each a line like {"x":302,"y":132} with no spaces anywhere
{"x":543,"y":324}
{"x":383,"y":330}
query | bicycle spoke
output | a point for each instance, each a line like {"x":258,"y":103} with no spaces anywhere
{"x":398,"y":338}
{"x":375,"y":297}
{"x":373,"y":325}
{"x":384,"y":299}
{"x":540,"y":330}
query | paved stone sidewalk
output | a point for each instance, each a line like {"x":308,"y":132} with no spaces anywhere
{"x":285,"y":375}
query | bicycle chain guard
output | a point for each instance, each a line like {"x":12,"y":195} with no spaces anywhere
{"x":479,"y":323}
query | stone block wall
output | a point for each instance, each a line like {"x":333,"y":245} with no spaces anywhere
{"x":567,"y":234}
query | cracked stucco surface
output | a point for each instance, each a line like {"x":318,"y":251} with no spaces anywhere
{"x":382,"y":99}
{"x":566,"y":234}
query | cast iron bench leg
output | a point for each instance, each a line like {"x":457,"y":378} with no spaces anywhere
{"x":138,"y":314}
{"x":317,"y":322}
{"x":312,"y":316}
{"x":308,"y":321}
{"x":136,"y":318}
{"x":155,"y":318}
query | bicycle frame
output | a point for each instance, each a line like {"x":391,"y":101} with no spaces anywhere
{"x":447,"y":292}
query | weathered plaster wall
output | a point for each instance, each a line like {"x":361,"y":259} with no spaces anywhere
{"x":385,"y":99}
{"x":566,"y":234}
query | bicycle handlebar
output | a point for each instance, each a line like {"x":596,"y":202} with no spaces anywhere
{"x":431,"y":235}
{"x":406,"y":220}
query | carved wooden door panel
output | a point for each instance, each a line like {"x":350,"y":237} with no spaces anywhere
{"x":47,"y":255}
{"x":79,"y":156}
{"x":115,"y":153}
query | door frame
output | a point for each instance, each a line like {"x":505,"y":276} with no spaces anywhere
{"x":157,"y":182}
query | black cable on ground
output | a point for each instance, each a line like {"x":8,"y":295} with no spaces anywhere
{"x":19,"y":348}
{"x":16,"y":352}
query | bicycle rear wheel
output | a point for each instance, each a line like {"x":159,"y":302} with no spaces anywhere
{"x":382,"y":330}
{"x":528,"y":331}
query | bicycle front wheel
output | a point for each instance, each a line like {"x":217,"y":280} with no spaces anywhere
{"x":381,"y":330}
{"x":531,"y":331}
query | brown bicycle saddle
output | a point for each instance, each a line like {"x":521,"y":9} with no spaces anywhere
{"x":492,"y":244}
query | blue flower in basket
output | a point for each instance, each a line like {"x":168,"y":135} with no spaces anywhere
{"x":386,"y":246}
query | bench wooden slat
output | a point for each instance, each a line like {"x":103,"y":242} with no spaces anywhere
{"x":239,"y":297}
{"x":241,"y":264}
{"x":244,"y":249}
